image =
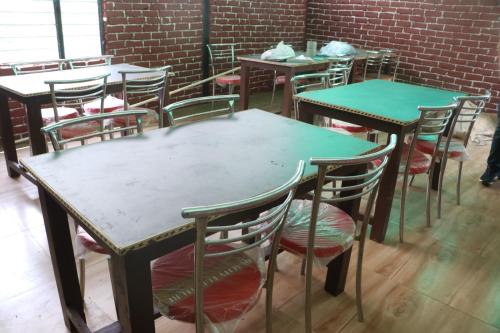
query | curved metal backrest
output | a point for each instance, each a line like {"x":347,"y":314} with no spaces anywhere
{"x":390,"y":62}
{"x":145,"y":83}
{"x":305,"y":82}
{"x":172,"y":109}
{"x":89,"y":61}
{"x":468,"y":111}
{"x":343,"y":62}
{"x":339,"y":76}
{"x":221,"y":53}
{"x":20,"y":68}
{"x":93,"y":126}
{"x":373,"y":64}
{"x":266,"y":228}
{"x":75,"y":93}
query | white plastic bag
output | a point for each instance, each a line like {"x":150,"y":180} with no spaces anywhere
{"x":338,"y":49}
{"x":281,"y":52}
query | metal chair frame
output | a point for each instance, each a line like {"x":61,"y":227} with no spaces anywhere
{"x":343,"y":62}
{"x":373,"y":61}
{"x":339,"y":76}
{"x":224,"y":51}
{"x":264,"y":228}
{"x":390,"y":61}
{"x":103,"y":60}
{"x":461,"y":117}
{"x":30,"y":67}
{"x":320,"y":80}
{"x":432,"y":121}
{"x":365,"y":184}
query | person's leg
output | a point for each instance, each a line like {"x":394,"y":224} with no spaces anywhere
{"x":493,"y":168}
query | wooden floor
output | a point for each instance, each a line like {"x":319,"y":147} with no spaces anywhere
{"x":443,"y":279}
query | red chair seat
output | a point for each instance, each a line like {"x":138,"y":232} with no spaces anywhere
{"x":280,"y":80}
{"x":147,"y":120}
{"x":88,"y":242}
{"x":420,"y":162}
{"x":353,"y":128}
{"x":339,"y":130}
{"x":335,"y":230}
{"x":111,"y":103}
{"x":233,"y":284}
{"x":228,"y":79}
{"x":455,"y":150}
{"x":62,"y":112}
{"x":79,"y":129}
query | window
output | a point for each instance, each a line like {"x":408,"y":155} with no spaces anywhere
{"x":29,"y":29}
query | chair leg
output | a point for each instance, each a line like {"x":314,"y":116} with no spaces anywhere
{"x":460,"y":165}
{"x":440,"y":185}
{"x":274,"y":89}
{"x":402,"y":208}
{"x":81,"y":262}
{"x":428,"y":197}
{"x":231,"y":88}
{"x":308,"y":301}
{"x":411,"y":180}
{"x":303,"y":267}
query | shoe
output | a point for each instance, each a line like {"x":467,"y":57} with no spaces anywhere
{"x":489,"y":176}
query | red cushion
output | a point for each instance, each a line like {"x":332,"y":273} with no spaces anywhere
{"x":88,"y":242}
{"x":335,"y":230}
{"x":233,"y":284}
{"x":229,"y":79}
{"x":280,"y":79}
{"x":62,"y":112}
{"x":353,"y":128}
{"x":419,"y":163}
{"x":455,"y":150}
{"x":79,"y":130}
{"x":111,"y":103}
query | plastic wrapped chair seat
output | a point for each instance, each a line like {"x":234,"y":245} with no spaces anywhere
{"x":62,"y":112}
{"x":111,"y":103}
{"x":79,"y":130}
{"x":335,"y":230}
{"x":228,"y":79}
{"x":149,"y":119}
{"x":456,"y":150}
{"x":88,"y":242}
{"x":353,"y":128}
{"x":232,"y":284}
{"x":419,"y":163}
{"x":339,"y":130}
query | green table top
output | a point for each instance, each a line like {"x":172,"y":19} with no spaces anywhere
{"x":131,"y":190}
{"x":389,"y":101}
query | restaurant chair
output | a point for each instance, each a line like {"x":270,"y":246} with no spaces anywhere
{"x":216,"y":281}
{"x":96,"y":123}
{"x":220,"y":56}
{"x":278,"y":80}
{"x":319,"y":231}
{"x":468,"y":110}
{"x":390,"y":65}
{"x":199,"y":108}
{"x":343,"y":62}
{"x":431,"y":124}
{"x":141,"y":87}
{"x":373,"y":65}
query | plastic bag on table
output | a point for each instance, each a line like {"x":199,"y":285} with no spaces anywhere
{"x":232,"y":285}
{"x":280,"y":52}
{"x":335,"y":230}
{"x":337,"y":49}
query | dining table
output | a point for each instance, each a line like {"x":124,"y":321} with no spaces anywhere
{"x":32,"y":91}
{"x":128,"y":194}
{"x":386,"y":106}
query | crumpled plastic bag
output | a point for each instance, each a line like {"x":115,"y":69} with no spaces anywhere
{"x":281,"y":51}
{"x":338,"y":49}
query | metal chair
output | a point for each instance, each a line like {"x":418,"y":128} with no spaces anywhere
{"x":468,"y":110}
{"x":216,"y":281}
{"x":432,"y":123}
{"x":390,"y":65}
{"x":343,"y":62}
{"x":278,"y":80}
{"x":144,"y":86}
{"x":373,"y":65}
{"x":320,"y":231}
{"x":172,"y":110}
{"x":220,"y":55}
{"x":103,"y":60}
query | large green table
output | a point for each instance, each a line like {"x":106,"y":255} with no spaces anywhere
{"x":128,"y":194}
{"x":382,"y":105}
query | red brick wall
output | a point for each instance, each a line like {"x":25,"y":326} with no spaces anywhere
{"x":443,"y":43}
{"x":17,"y":112}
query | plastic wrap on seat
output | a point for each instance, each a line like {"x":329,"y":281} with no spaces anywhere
{"x":232,"y":285}
{"x":456,"y":150}
{"x":89,"y":243}
{"x":80,"y":129}
{"x":420,"y":162}
{"x":353,"y":128}
{"x":62,"y":112}
{"x":228,"y":79}
{"x":111,"y":103}
{"x":150,"y":119}
{"x":335,"y":231}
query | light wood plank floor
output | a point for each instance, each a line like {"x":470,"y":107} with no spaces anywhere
{"x":443,"y":279}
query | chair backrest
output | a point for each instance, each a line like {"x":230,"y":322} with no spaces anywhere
{"x":89,"y":61}
{"x":343,"y":62}
{"x":30,"y":67}
{"x":468,"y":111}
{"x":266,"y":228}
{"x":221,"y":54}
{"x":373,"y":64}
{"x":91,"y":126}
{"x":176,"y":117}
{"x":75,"y":93}
{"x":145,"y":86}
{"x":305,"y":82}
{"x":339,"y":76}
{"x":390,"y":62}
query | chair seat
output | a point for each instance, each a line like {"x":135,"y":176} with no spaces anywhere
{"x":147,"y":120}
{"x":335,"y":230}
{"x":420,"y":162}
{"x":79,"y":129}
{"x":455,"y":150}
{"x":280,"y":80}
{"x":353,"y":128}
{"x":88,"y":242}
{"x":232,"y":284}
{"x":228,"y":79}
{"x":111,"y":103}
{"x":339,"y":130}
{"x":62,"y":112}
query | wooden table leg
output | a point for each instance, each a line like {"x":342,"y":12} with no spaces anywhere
{"x":131,"y":276}
{"x":7,"y":134}
{"x":37,"y":140}
{"x":386,"y":190}
{"x":244,"y":86}
{"x":287,"y":95}
{"x":63,"y":258}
